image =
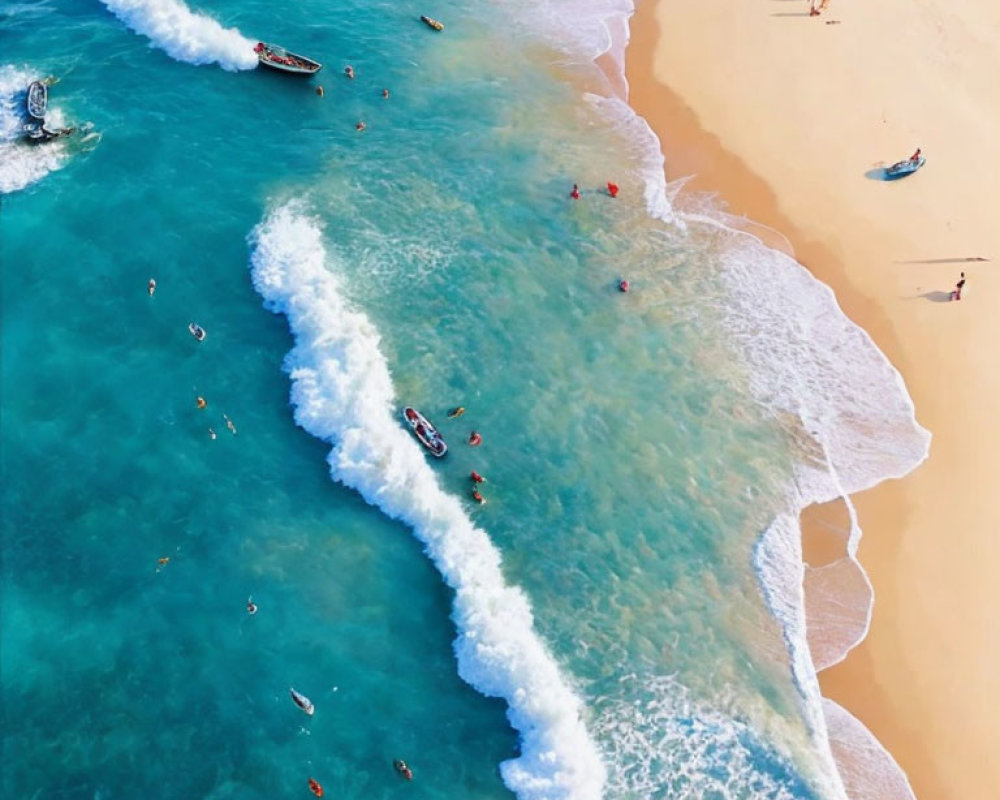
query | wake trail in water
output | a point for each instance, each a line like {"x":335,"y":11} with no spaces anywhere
{"x":343,"y":393}
{"x":184,"y":34}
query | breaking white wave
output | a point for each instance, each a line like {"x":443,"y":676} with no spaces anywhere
{"x":343,"y":394}
{"x":22,"y":163}
{"x":184,"y":34}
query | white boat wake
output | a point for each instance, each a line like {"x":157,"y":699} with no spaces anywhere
{"x":184,"y":34}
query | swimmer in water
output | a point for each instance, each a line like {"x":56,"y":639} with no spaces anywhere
{"x":385,"y":94}
{"x":478,"y":497}
{"x":229,"y":424}
{"x":315,"y":788}
{"x":349,"y":71}
{"x":319,"y":91}
{"x":475,"y":439}
{"x":456,"y":412}
{"x":211,"y":433}
{"x":477,"y":478}
{"x":400,"y":766}
{"x":201,"y":402}
{"x":251,"y":606}
{"x":360,"y":126}
{"x":163,"y":561}
{"x":151,"y":286}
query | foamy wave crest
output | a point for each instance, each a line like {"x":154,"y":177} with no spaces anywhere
{"x":668,"y":746}
{"x":184,"y":34}
{"x":343,"y":394}
{"x":21,"y":163}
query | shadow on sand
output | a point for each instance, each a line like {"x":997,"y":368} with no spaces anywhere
{"x":877,"y":174}
{"x":936,"y":296}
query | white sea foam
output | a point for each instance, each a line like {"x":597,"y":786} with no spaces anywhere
{"x":184,"y":34}
{"x":21,"y":163}
{"x":343,"y":394}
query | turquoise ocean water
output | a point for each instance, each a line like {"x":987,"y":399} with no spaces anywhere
{"x":621,"y":619}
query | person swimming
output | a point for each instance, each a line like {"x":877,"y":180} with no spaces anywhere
{"x":624,"y":285}
{"x":151,"y":286}
{"x":457,"y":412}
{"x":477,"y":478}
{"x":211,"y":433}
{"x":229,"y":424}
{"x":385,"y":94}
{"x":349,"y":71}
{"x":315,"y":788}
{"x":475,"y":439}
{"x":478,"y":497}
{"x":251,"y":606}
{"x":201,"y":402}
{"x":400,"y":766}
{"x":612,"y":189}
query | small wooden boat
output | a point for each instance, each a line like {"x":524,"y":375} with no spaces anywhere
{"x":425,"y":432}
{"x":37,"y":100}
{"x":302,"y":701}
{"x":275,"y":57}
{"x":903,"y":168}
{"x":438,"y":26}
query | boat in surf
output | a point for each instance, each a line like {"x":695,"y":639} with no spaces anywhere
{"x":425,"y":432}
{"x":37,"y":100}
{"x":903,"y":168}
{"x":275,"y":57}
{"x":302,"y":701}
{"x":197,"y":331}
{"x":433,"y":23}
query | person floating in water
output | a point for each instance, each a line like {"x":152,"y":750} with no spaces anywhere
{"x":477,"y":478}
{"x":957,"y":294}
{"x":612,"y":189}
{"x":315,"y":788}
{"x":400,"y":766}
{"x":385,"y":94}
{"x":575,"y":194}
{"x":475,"y":439}
{"x":251,"y":606}
{"x":211,"y":433}
{"x":319,"y":91}
{"x":361,"y":125}
{"x":229,"y":424}
{"x":201,"y":402}
{"x":349,"y":71}
{"x":456,"y":412}
{"x":151,"y":286}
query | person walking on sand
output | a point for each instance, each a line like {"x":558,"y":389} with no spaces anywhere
{"x":613,"y":189}
{"x":957,"y":294}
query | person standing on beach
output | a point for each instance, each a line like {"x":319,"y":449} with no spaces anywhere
{"x":957,"y":294}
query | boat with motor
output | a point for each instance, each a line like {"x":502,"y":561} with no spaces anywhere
{"x":275,"y":57}
{"x":433,"y":23}
{"x":903,"y":168}
{"x":37,"y":100}
{"x":197,"y":331}
{"x":302,"y":701}
{"x":425,"y":432}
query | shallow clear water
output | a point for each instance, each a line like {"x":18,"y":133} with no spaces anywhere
{"x":632,"y":466}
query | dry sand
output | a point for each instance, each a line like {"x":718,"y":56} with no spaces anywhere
{"x":783,"y":115}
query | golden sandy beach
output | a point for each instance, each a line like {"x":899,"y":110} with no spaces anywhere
{"x":783,"y":114}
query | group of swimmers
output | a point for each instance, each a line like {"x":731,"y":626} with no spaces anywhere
{"x":360,"y":125}
{"x":475,"y":439}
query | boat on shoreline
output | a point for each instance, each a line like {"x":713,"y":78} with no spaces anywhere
{"x":903,"y":168}
{"x":37,"y":100}
{"x":425,"y":432}
{"x":282,"y":60}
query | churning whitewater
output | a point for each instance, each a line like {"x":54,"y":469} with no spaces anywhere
{"x":342,"y":392}
{"x":184,"y":34}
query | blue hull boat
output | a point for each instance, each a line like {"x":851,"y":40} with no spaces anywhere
{"x":903,"y":168}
